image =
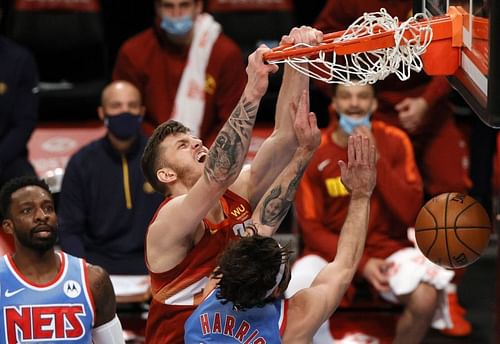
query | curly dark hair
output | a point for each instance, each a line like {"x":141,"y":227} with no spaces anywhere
{"x":150,"y":161}
{"x":247,"y":270}
{"x":12,"y":186}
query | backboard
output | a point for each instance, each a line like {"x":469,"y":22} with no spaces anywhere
{"x":477,"y":80}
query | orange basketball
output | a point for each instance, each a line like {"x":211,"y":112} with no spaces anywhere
{"x":452,"y":230}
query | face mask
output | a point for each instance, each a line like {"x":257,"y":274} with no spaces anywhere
{"x":124,"y":125}
{"x":348,"y":123}
{"x":177,"y":27}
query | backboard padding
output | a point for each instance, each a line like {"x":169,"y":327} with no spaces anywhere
{"x":477,"y":80}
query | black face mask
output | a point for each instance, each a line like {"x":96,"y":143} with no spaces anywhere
{"x":124,"y":125}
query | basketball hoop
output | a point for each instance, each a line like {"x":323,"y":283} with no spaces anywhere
{"x":377,"y":45}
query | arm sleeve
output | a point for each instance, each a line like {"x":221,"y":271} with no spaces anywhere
{"x":24,"y":107}
{"x":399,"y":181}
{"x":109,"y":333}
{"x":71,"y":211}
{"x":310,"y":212}
{"x":437,"y":89}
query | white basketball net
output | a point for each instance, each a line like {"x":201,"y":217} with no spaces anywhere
{"x":370,"y":66}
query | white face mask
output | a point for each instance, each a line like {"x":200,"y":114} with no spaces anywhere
{"x":349,"y":123}
{"x":177,"y":27}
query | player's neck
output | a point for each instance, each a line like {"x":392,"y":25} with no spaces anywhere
{"x":37,"y":267}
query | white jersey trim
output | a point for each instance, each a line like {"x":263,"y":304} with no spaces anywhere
{"x":24,"y":281}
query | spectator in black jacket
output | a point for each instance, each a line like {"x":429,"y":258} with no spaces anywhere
{"x":105,"y":204}
{"x":18,"y":109}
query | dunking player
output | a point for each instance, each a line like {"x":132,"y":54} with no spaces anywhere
{"x":49,"y":295}
{"x":212,"y":196}
{"x":252,"y":275}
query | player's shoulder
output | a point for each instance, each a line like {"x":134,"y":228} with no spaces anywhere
{"x":166,"y":209}
{"x":97,"y":276}
{"x":302,"y":312}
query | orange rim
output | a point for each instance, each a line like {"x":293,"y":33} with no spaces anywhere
{"x":443,"y":27}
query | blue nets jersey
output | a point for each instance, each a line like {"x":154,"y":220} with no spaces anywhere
{"x":214,"y":322}
{"x":60,"y":311}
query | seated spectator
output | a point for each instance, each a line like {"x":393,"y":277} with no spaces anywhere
{"x":421,"y":107}
{"x":48,"y":294}
{"x":18,"y":109}
{"x":392,"y":266}
{"x":185,"y":68}
{"x":105,"y":204}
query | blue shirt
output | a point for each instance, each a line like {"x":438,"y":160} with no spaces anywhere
{"x":105,"y":207}
{"x":58,"y":312}
{"x":214,"y":322}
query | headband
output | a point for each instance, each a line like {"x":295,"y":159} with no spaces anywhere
{"x":279,"y":277}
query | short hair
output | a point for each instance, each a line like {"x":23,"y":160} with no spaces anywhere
{"x":355,"y":80}
{"x":247,"y":270}
{"x":15,"y":184}
{"x":150,"y":161}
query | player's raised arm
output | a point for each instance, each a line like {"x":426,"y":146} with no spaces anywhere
{"x":267,"y":164}
{"x":310,"y":307}
{"x":277,"y":200}
{"x":197,"y":177}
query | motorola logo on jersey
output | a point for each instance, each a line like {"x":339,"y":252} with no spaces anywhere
{"x":72,"y":289}
{"x":43,"y":323}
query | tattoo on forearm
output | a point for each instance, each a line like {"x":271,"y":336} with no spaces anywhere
{"x":278,"y":201}
{"x":230,"y":147}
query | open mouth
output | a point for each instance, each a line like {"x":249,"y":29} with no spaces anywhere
{"x":201,"y":157}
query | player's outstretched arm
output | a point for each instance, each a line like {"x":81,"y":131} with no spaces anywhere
{"x":171,"y":233}
{"x":107,"y":327}
{"x":277,"y":200}
{"x":310,"y":307}
{"x":267,"y":164}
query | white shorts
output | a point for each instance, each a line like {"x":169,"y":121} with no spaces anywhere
{"x":410,"y":268}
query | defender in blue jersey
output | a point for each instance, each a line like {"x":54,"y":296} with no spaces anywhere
{"x":48,"y":296}
{"x":244,"y":298}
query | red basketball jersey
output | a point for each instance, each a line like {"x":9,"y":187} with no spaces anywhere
{"x":177,"y":292}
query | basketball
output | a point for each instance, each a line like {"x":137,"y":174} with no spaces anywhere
{"x":452,"y":230}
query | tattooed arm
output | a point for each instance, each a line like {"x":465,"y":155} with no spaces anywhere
{"x":267,"y":165}
{"x":278,"y":198}
{"x":178,"y":224}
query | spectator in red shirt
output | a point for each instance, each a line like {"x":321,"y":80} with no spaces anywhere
{"x":419,"y":105}
{"x":393,"y":267}
{"x":185,"y":67}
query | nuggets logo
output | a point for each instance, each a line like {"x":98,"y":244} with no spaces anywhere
{"x":72,"y":289}
{"x":43,"y":323}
